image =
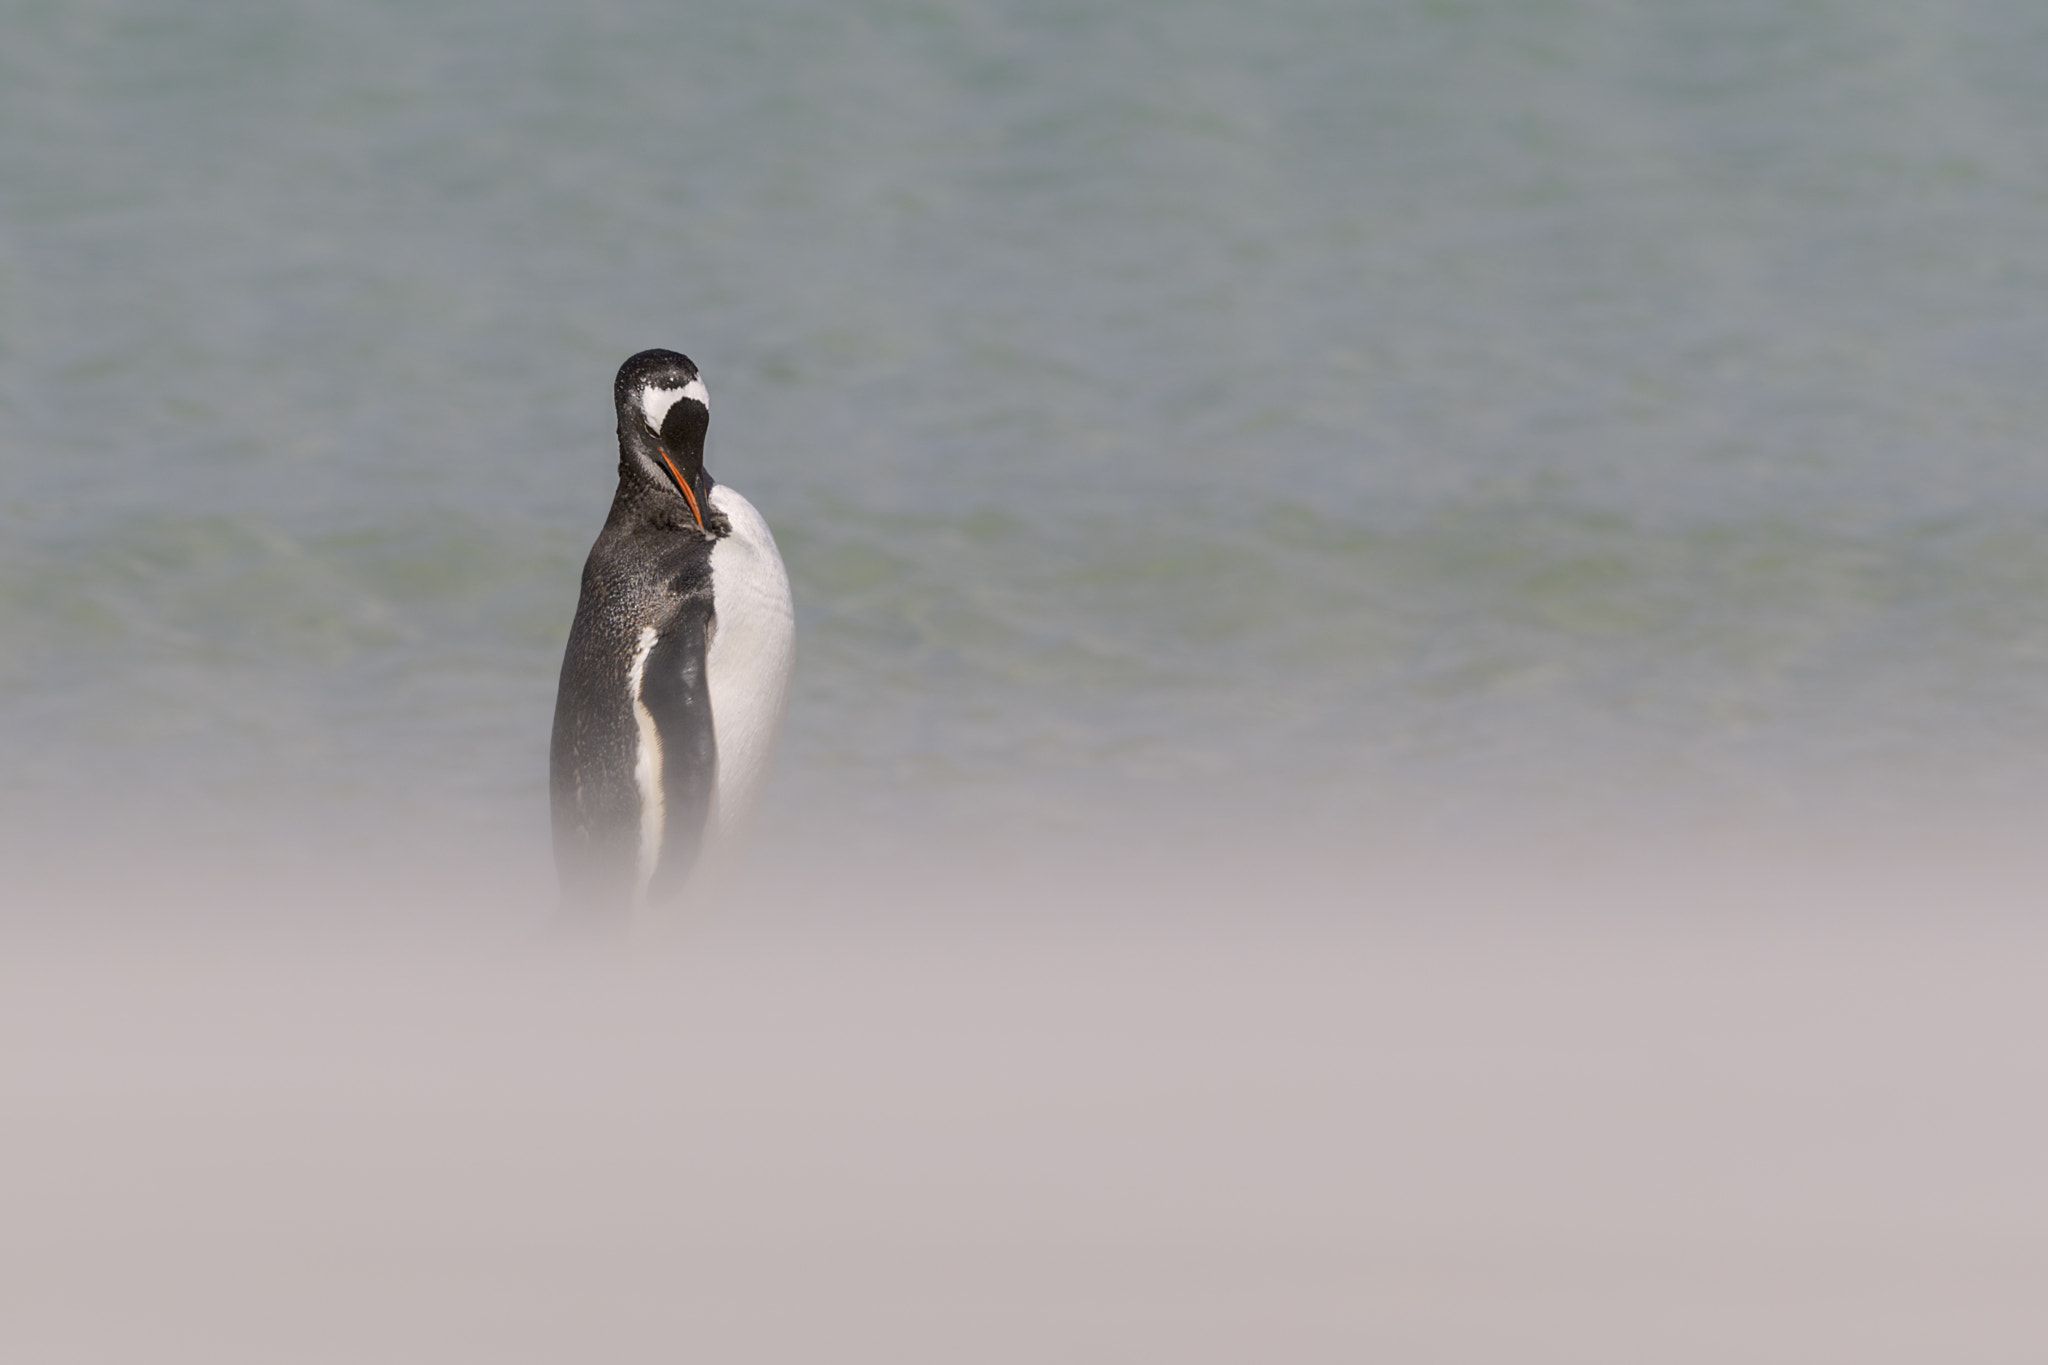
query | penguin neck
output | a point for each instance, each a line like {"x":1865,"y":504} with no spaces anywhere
{"x":647,"y":492}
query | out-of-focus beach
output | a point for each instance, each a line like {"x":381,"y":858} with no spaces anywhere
{"x":1220,"y":1112}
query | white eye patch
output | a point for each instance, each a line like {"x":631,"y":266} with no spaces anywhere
{"x":656,"y":402}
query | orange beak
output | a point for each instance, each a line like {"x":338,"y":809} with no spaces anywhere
{"x":684,"y":484}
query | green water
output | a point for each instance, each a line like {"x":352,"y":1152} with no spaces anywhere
{"x":1519,"y":404}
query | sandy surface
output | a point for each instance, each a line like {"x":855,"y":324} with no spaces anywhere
{"x":1441,"y":1124}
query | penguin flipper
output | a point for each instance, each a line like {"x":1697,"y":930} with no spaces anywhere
{"x":595,"y":810}
{"x":677,"y":694}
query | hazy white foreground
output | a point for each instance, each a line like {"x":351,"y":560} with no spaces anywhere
{"x":1662,"y":1116}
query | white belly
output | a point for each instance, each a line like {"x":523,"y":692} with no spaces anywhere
{"x":746,"y":665}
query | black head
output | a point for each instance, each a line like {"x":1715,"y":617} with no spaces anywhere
{"x":663,"y":413}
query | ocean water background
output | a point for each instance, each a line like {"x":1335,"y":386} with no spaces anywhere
{"x":1436,"y":410}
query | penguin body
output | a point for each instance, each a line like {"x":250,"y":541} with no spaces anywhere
{"x":676,"y":673}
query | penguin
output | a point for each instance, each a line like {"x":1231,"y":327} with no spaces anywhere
{"x":676,"y":674}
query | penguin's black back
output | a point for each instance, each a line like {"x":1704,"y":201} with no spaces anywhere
{"x":648,"y":568}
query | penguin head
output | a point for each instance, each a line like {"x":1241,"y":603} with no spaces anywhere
{"x":663,"y":412}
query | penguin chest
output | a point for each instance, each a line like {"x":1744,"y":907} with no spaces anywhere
{"x":747,"y":658}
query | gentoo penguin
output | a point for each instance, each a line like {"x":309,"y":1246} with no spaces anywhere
{"x":677,"y":671}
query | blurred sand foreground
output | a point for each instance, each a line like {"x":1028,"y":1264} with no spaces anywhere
{"x":1433,"y":1116}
